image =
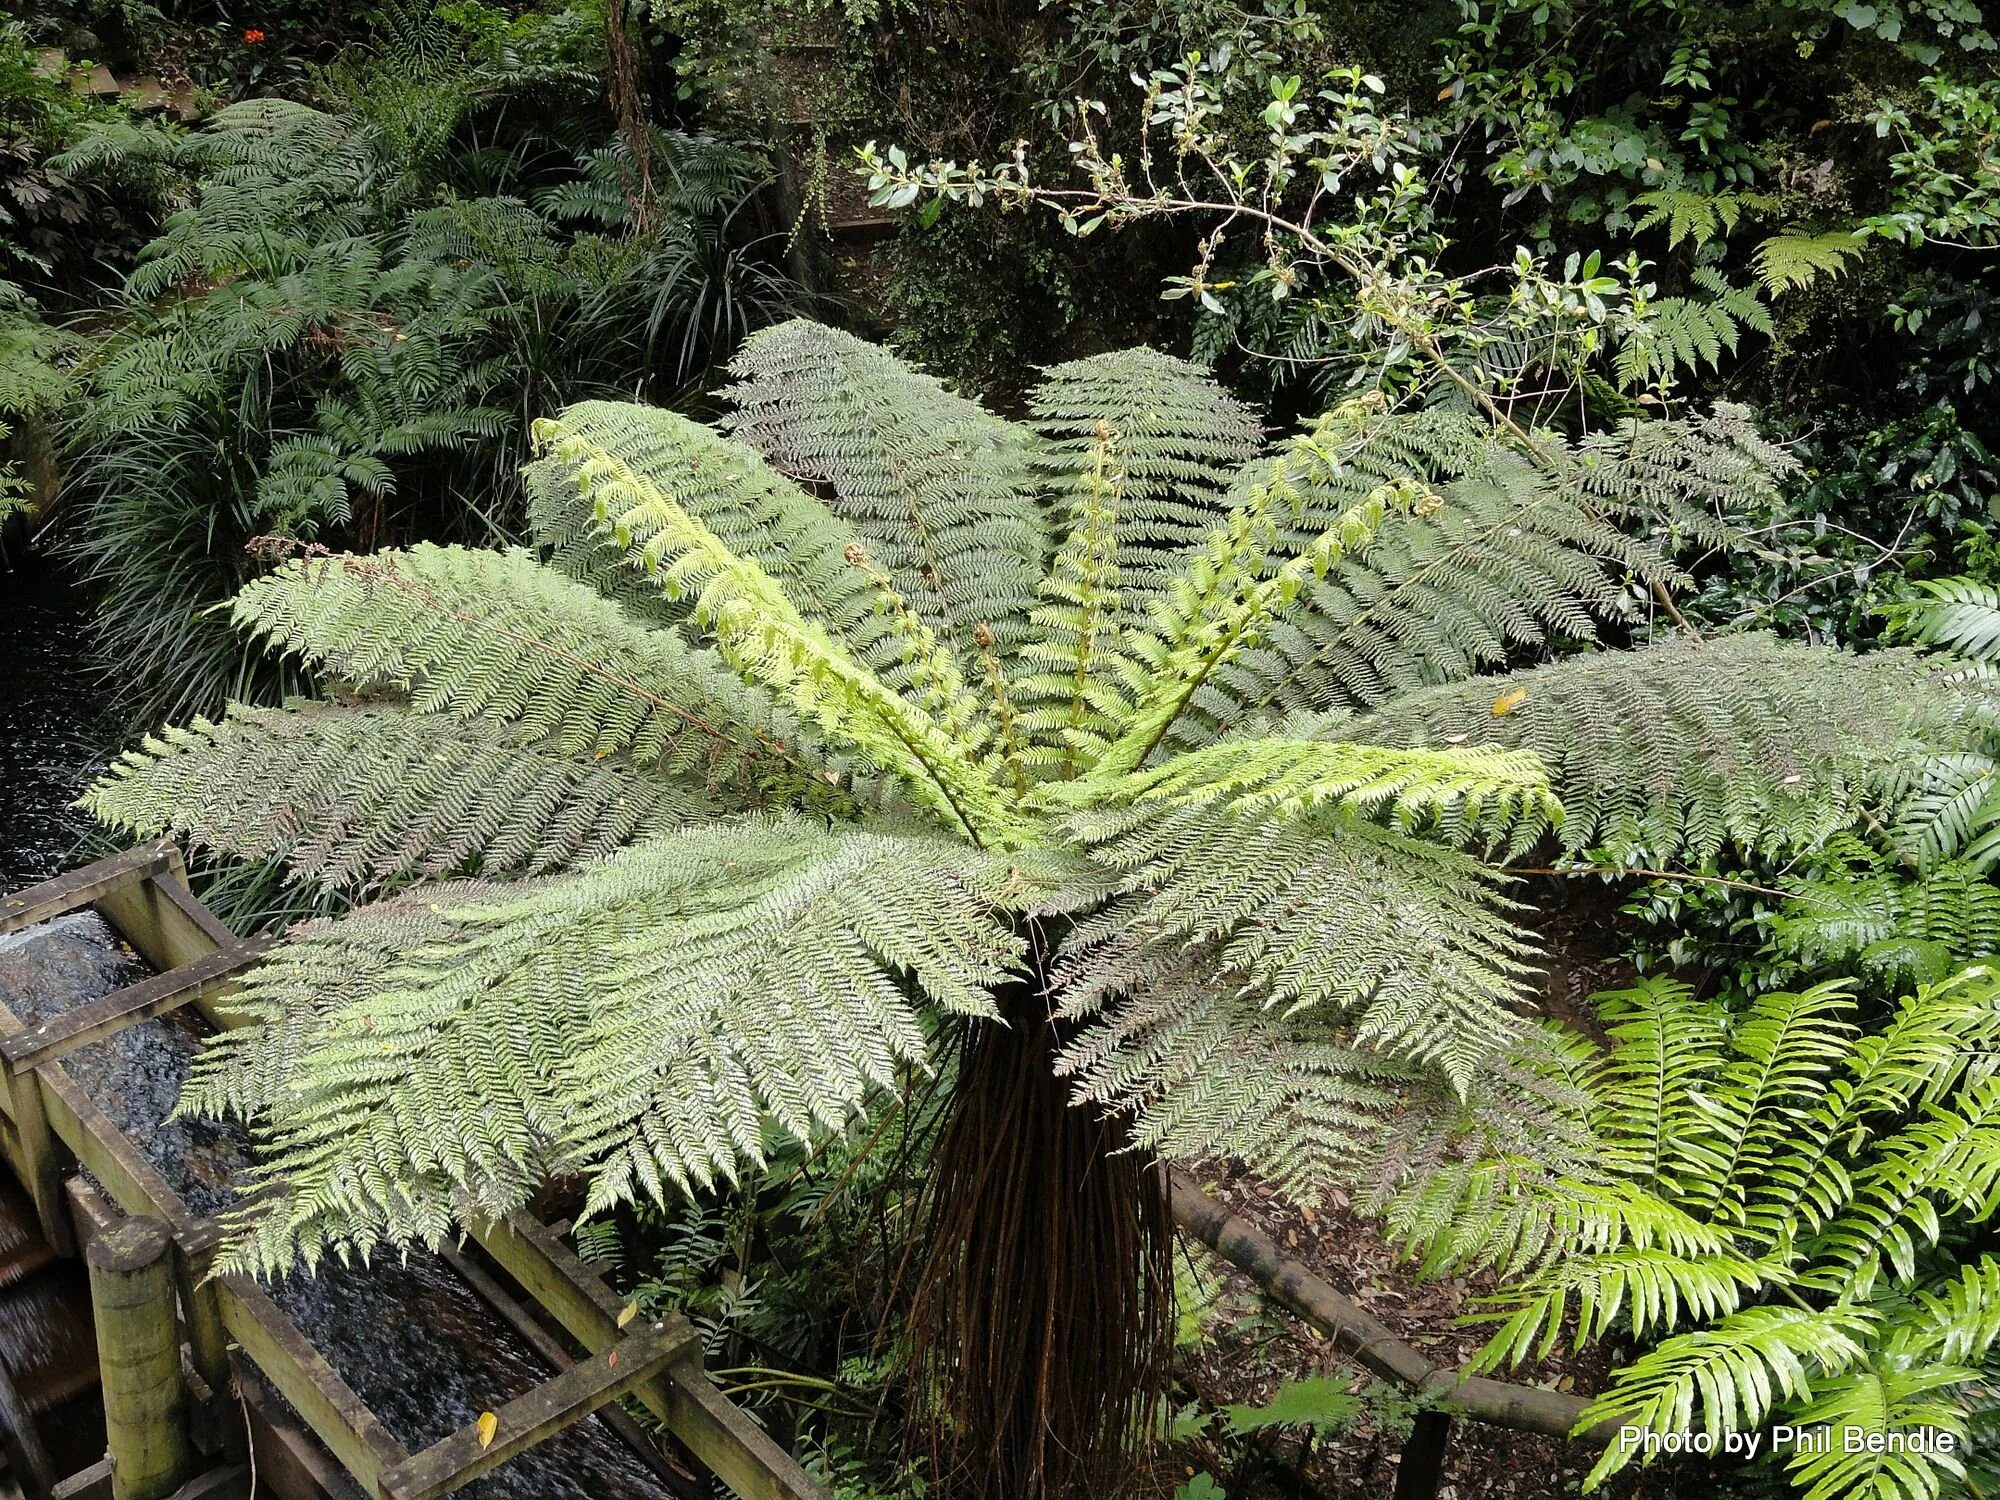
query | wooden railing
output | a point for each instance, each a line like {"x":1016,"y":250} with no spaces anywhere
{"x":47,"y":1123}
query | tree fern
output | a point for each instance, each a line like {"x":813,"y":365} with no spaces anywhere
{"x":854,"y":809}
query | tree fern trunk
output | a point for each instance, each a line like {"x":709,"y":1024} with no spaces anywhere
{"x":1042,"y":1320}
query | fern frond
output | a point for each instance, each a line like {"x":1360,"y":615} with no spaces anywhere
{"x":767,"y":638}
{"x":754,"y":512}
{"x":642,"y":1021}
{"x":1140,"y":449}
{"x":1959,"y":614}
{"x":1886,"y":1404}
{"x":1788,"y":262}
{"x":1483,"y":788}
{"x":1691,"y":214}
{"x":1679,"y":748}
{"x":1654,"y":1290}
{"x":1951,"y":1155}
{"x":1664,"y":1043}
{"x":1785,"y":1051}
{"x":942,"y":492}
{"x":1728,"y":1378}
{"x":493,"y":636}
{"x":1405,"y":939}
{"x":1492,"y":559}
{"x":352,"y":797}
{"x":1893,"y":924}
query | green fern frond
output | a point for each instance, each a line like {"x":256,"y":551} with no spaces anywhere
{"x":1728,"y":1378}
{"x":1788,"y":262}
{"x":767,"y":638}
{"x":496,"y":637}
{"x":641,"y":1022}
{"x":1664,"y":1043}
{"x":1959,"y":614}
{"x":1892,"y":924}
{"x":1884,"y":1405}
{"x":1950,"y":1157}
{"x":1684,"y":334}
{"x":1331,"y":913}
{"x":942,"y":492}
{"x":1679,"y":748}
{"x":1484,"y":788}
{"x":1140,"y":449}
{"x":1691,"y":214}
{"x":353,"y":797}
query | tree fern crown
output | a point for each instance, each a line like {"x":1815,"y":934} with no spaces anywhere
{"x":796,"y":736}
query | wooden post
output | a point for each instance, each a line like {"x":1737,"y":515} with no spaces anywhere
{"x":42,"y":1159}
{"x":1422,"y":1468}
{"x":139,"y":1357}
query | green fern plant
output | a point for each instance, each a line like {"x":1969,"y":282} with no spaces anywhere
{"x":1782,"y":1208}
{"x":815,"y":750}
{"x":319,"y":346}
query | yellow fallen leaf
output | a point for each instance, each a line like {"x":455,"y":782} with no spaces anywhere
{"x":488,"y":1425}
{"x":1508,"y":701}
{"x":627,"y":1313}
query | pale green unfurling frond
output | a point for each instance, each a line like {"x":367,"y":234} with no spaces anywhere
{"x":765,"y":635}
{"x":1482,"y":787}
{"x":1140,"y":449}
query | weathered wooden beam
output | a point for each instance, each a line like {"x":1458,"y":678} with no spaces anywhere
{"x":35,"y":1156}
{"x":84,"y":887}
{"x":289,"y":1459}
{"x":721,"y":1434}
{"x":139,"y":1359}
{"x":591,"y":1382}
{"x":715,"y":1430}
{"x":93,"y":1483}
{"x":160,"y":918}
{"x":1366,"y":1339}
{"x":551,"y":1349}
{"x":153,"y":996}
{"x":301,"y":1374}
{"x":131,"y":1180}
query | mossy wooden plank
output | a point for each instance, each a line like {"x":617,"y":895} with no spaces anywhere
{"x":84,"y":887}
{"x":740,"y":1452}
{"x":591,"y":1382}
{"x":301,"y":1374}
{"x":155,"y":995}
{"x":160,"y":918}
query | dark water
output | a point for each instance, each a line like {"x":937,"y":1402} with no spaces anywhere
{"x":50,"y":736}
{"x":417,"y":1344}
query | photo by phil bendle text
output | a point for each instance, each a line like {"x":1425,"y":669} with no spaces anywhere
{"x":1818,"y":1439}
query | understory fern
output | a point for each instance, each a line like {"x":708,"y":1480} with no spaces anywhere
{"x":796,"y":740}
{"x":1782,"y":1207}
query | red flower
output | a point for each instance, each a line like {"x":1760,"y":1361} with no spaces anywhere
{"x":253,"y":36}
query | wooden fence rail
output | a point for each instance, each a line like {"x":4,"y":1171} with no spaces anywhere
{"x":47,"y":1122}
